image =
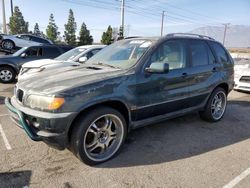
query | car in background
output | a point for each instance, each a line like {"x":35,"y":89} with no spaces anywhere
{"x":242,"y":75}
{"x":11,"y":64}
{"x":73,"y":57}
{"x":11,"y":42}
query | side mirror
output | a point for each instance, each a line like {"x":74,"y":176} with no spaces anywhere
{"x":83,"y":59}
{"x":23,"y":55}
{"x":157,"y":67}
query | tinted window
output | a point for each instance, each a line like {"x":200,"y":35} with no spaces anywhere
{"x":91,"y":53}
{"x":171,"y":52}
{"x":51,"y":52}
{"x":40,"y":40}
{"x":34,"y":51}
{"x":220,"y":52}
{"x":25,"y":37}
{"x":199,"y":52}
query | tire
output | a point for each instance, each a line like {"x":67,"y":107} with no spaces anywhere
{"x":8,"y":44}
{"x":98,"y":135}
{"x":214,"y":109}
{"x":7,"y":74}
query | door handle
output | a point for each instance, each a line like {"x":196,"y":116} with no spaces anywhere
{"x":215,"y":69}
{"x":184,"y":75}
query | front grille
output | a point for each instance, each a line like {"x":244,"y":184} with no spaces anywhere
{"x":245,"y":79}
{"x":19,"y":95}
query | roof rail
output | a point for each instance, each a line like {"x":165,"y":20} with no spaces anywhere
{"x":189,"y":34}
{"x":132,"y":37}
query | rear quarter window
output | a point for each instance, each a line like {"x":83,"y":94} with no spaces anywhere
{"x":221,"y":53}
{"x":51,"y":52}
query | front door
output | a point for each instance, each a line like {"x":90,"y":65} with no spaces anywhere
{"x":159,"y":94}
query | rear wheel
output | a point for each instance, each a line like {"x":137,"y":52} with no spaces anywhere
{"x":7,"y":74}
{"x":8,"y":44}
{"x":98,"y":135}
{"x":216,"y":106}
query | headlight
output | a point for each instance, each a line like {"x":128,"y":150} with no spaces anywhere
{"x":44,"y":103}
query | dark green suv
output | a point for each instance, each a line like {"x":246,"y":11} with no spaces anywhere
{"x":131,"y":83}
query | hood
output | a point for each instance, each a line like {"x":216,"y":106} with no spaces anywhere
{"x":7,"y":57}
{"x":51,"y":82}
{"x":39,"y":63}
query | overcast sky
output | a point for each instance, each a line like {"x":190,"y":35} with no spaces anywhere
{"x":142,"y":17}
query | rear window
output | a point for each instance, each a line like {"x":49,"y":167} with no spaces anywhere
{"x":220,"y":52}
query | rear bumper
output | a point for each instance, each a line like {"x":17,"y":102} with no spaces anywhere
{"x":41,"y":126}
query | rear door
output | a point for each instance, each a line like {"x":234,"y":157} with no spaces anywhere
{"x":203,"y":72}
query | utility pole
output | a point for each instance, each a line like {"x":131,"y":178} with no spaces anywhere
{"x":4,"y":19}
{"x":162,"y":22}
{"x":122,"y":15}
{"x":225,"y":32}
{"x":11,"y":6}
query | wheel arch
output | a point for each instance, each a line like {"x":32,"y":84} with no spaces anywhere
{"x":9,"y":65}
{"x":224,"y":86}
{"x":115,"y":104}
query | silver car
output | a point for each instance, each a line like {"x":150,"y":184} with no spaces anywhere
{"x":242,"y":75}
{"x":71,"y":58}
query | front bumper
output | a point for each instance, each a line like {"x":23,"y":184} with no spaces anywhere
{"x":242,"y":86}
{"x":51,"y":128}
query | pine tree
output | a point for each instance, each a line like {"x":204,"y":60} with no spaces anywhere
{"x":17,"y":23}
{"x":36,"y":31}
{"x":107,"y":36}
{"x":84,"y":36}
{"x":52,"y":29}
{"x":70,"y":29}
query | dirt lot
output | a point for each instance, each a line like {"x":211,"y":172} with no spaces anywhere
{"x":184,"y":152}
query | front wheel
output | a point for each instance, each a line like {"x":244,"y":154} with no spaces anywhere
{"x":98,"y":135}
{"x":7,"y":74}
{"x":216,"y":106}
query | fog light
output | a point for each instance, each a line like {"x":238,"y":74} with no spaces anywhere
{"x":35,"y":123}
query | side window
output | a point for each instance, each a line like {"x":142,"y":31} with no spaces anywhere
{"x":95,"y":51}
{"x":25,"y":37}
{"x":36,"y":39}
{"x":51,"y":52}
{"x":34,"y":52}
{"x":171,"y":52}
{"x":199,"y":53}
{"x":220,"y":52}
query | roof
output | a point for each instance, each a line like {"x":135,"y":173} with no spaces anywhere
{"x":92,"y":46}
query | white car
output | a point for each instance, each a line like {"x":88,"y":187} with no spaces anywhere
{"x":242,"y":75}
{"x":70,"y":58}
{"x":11,"y":42}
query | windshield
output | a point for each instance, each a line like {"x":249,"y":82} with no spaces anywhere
{"x":19,"y":52}
{"x":70,"y":55}
{"x":122,"y":54}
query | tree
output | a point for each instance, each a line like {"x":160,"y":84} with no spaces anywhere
{"x":52,"y":29}
{"x":107,"y":36}
{"x":84,"y":36}
{"x":36,"y":31}
{"x":70,"y":29}
{"x":17,"y":23}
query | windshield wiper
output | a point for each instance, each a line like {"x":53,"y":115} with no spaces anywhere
{"x":107,"y":65}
